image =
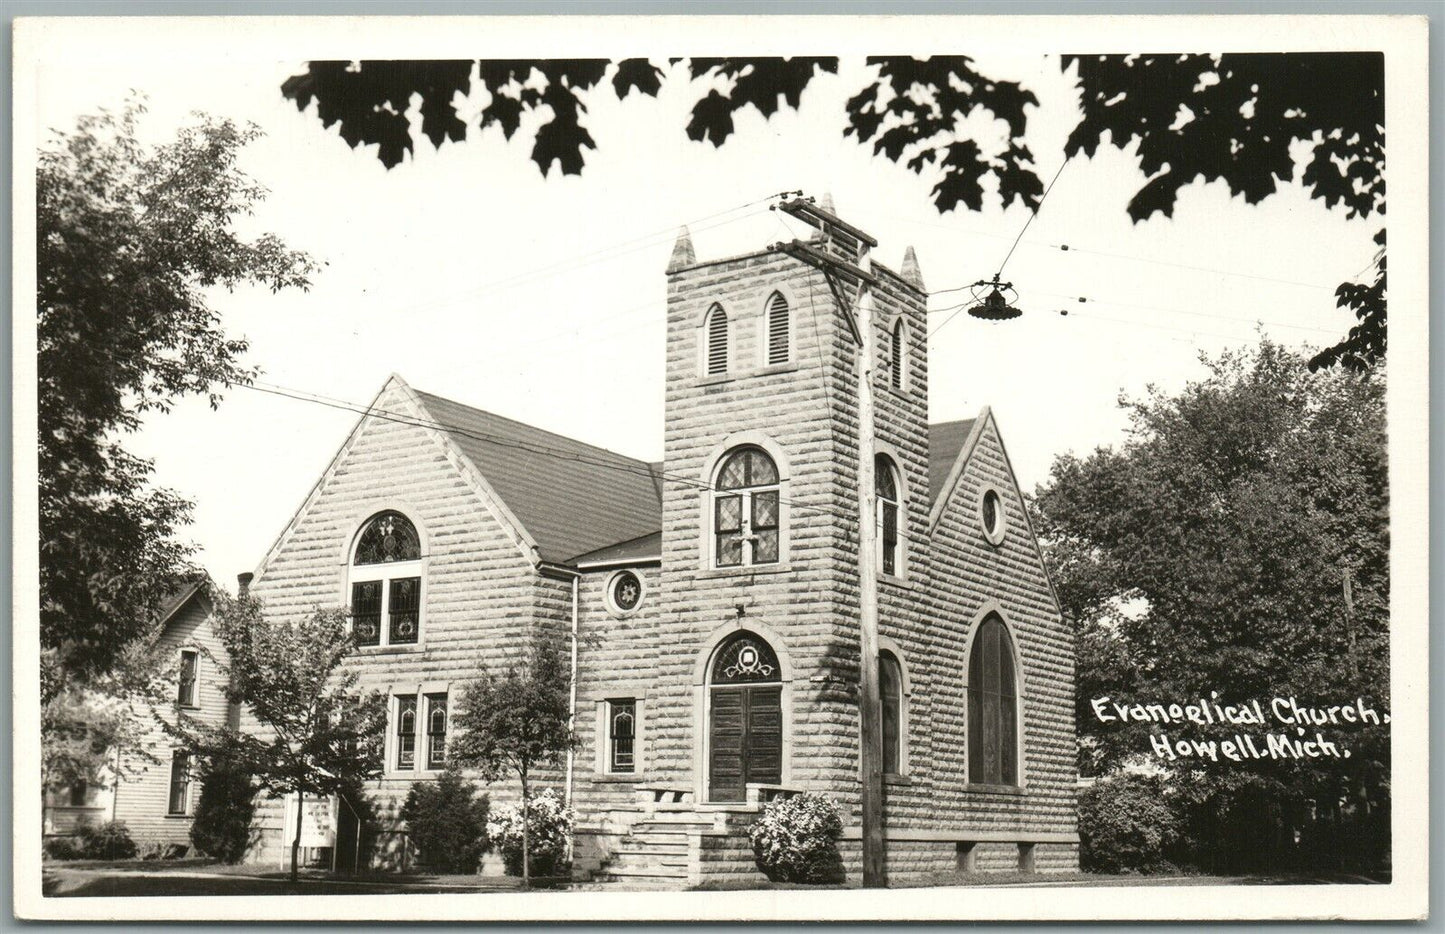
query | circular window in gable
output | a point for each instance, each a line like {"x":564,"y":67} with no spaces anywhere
{"x":990,"y":509}
{"x":624,"y":593}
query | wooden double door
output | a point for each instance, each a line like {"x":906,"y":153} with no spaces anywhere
{"x":745,"y":739}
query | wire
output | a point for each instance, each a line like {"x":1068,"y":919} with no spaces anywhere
{"x":1030,"y":220}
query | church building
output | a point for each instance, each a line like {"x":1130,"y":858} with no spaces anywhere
{"x":713,"y":596}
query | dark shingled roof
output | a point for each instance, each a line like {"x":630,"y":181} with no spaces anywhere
{"x":572,"y":498}
{"x":182,"y":596}
{"x":945,"y":440}
{"x":582,"y":503}
{"x":644,"y":548}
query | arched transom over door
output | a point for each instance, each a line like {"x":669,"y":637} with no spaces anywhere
{"x":745,"y":719}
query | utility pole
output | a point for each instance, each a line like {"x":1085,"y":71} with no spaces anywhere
{"x":843,"y":257}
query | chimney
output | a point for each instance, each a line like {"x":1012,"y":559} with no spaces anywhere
{"x":243,"y":583}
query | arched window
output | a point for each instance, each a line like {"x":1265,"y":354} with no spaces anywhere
{"x":992,"y":706}
{"x":898,"y":353}
{"x":386,"y":582}
{"x":715,"y":361}
{"x":886,"y":485}
{"x":890,"y":692}
{"x":745,"y":509}
{"x":779,"y":330}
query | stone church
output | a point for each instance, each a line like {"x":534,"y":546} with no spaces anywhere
{"x":713,"y":596}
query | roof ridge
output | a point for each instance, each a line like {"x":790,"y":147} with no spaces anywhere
{"x":528,"y":425}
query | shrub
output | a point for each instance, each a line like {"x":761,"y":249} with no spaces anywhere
{"x":107,"y":841}
{"x":1126,"y":824}
{"x":796,"y":839}
{"x":447,"y":821}
{"x":222,"y":824}
{"x":62,"y":848}
{"x":549,"y":822}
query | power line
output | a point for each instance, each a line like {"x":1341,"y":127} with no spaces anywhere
{"x":1031,"y":217}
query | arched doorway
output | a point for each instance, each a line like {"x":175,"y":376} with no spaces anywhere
{"x":745,"y":717}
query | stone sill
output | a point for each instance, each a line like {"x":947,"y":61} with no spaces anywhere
{"x":895,"y":581}
{"x":902,"y":781}
{"x":620,"y":778}
{"x":718,"y":379}
{"x":981,"y":789}
{"x":391,"y":649}
{"x":746,"y":570}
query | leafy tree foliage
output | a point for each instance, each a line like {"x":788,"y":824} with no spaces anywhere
{"x":447,"y":820}
{"x":1233,"y":118}
{"x":319,"y":735}
{"x":515,"y":721}
{"x":130,"y":238}
{"x":1209,"y":553}
{"x":1127,"y":823}
{"x":221,"y":826}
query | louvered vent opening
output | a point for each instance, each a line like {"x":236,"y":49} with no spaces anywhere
{"x":896,"y":371}
{"x":777,"y":329}
{"x":717,"y":342}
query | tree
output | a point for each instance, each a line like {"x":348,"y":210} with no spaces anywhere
{"x":319,"y":735}
{"x":515,"y":722}
{"x":1231,"y":117}
{"x":1209,"y":553}
{"x":130,"y":240}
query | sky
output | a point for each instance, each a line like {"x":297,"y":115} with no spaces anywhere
{"x":542,"y":299}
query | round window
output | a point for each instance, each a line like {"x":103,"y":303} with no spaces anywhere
{"x":626,"y":592}
{"x":991,"y":512}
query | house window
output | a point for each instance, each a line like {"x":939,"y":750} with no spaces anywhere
{"x":78,"y":793}
{"x":386,"y":582}
{"x":436,"y":731}
{"x":890,"y":692}
{"x":186,"y":685}
{"x":406,"y":732}
{"x":716,"y":360}
{"x":745,"y":510}
{"x":886,"y":484}
{"x":898,"y":353}
{"x":179,"y":798}
{"x":621,"y":735}
{"x":778,"y":338}
{"x":992,"y":706}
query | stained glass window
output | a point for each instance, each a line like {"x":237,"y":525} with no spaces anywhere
{"x":436,"y":731}
{"x":992,"y":706}
{"x":745,"y":658}
{"x":746,"y":517}
{"x":388,"y":537}
{"x":890,"y":692}
{"x":406,"y":731}
{"x":404,"y":609}
{"x":622,"y":735}
{"x":366,"y":612}
{"x":626,"y":592}
{"x":886,"y":485}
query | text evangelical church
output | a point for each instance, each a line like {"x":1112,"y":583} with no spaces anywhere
{"x":714,"y":596}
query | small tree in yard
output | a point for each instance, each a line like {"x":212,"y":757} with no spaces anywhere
{"x":323,"y":734}
{"x":516,"y":722}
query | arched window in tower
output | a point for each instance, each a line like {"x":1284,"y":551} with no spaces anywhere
{"x":890,"y":693}
{"x":992,"y":706}
{"x":779,"y":330}
{"x":386,"y":582}
{"x":745,"y":514}
{"x":715,"y":361}
{"x":898,"y":352}
{"x":886,"y":485}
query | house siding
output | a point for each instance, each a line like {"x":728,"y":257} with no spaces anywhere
{"x":142,"y":792}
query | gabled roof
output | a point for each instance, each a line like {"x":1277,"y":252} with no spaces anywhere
{"x":945,"y":440}
{"x":572,"y":498}
{"x":197,"y":585}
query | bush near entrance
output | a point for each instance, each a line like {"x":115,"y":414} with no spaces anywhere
{"x":796,"y":840}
